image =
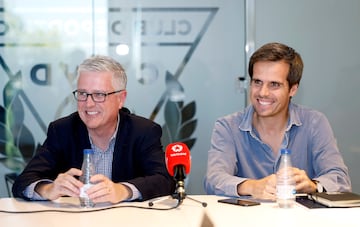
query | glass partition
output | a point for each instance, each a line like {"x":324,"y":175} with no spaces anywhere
{"x":183,"y":60}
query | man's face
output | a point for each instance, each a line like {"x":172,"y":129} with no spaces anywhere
{"x":269,"y":90}
{"x":99,"y":116}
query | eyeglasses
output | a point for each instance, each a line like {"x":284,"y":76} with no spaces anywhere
{"x":82,"y":96}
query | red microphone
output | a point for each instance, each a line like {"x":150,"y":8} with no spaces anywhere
{"x":177,"y":155}
{"x":177,"y":159}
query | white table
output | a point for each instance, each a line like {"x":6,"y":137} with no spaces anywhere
{"x":189,"y":213}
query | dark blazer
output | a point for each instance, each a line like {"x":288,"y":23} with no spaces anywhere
{"x":138,"y":155}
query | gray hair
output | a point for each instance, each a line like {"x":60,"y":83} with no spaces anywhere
{"x":101,"y":63}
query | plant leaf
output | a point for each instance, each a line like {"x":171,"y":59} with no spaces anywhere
{"x":188,"y":111}
{"x":172,"y":118}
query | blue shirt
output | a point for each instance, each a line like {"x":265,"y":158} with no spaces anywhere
{"x":237,"y":152}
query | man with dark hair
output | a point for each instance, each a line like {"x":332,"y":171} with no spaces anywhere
{"x":245,"y":146}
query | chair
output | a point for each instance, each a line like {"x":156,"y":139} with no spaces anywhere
{"x":9,"y":180}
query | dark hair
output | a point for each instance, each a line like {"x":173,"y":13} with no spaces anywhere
{"x":279,"y":52}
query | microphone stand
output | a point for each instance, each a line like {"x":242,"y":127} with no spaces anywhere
{"x":180,"y":194}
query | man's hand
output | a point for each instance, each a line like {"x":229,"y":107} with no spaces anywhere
{"x":303,"y":183}
{"x":64,"y":185}
{"x":104,"y":190}
{"x":264,"y":188}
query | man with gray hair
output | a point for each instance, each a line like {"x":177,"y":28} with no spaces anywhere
{"x":128,"y":156}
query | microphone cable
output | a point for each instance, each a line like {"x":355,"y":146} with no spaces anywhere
{"x":88,"y":210}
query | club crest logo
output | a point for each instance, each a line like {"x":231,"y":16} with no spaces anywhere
{"x":164,"y":30}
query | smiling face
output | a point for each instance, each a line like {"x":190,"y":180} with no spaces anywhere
{"x":99,"y":117}
{"x":269,"y":90}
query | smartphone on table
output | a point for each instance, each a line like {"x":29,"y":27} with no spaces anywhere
{"x":239,"y":202}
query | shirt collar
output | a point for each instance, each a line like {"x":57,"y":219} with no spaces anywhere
{"x":117,"y":127}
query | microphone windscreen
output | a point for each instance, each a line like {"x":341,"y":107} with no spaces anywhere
{"x":177,"y":154}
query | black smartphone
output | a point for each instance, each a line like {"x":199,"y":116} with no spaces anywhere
{"x":239,"y":202}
